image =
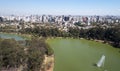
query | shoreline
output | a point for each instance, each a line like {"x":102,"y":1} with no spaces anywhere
{"x":48,"y":63}
{"x":28,"y":36}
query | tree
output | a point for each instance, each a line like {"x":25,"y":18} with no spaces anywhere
{"x":37,"y":48}
{"x":74,"y":32}
{"x":1,"y":19}
{"x":113,"y":35}
{"x":12,"y":54}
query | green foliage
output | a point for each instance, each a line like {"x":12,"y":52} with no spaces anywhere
{"x":11,"y":53}
{"x":44,"y":32}
{"x":96,"y":33}
{"x":77,"y":24}
{"x":29,"y":55}
{"x":74,"y":32}
{"x":49,"y":50}
{"x":113,"y":35}
{"x":107,"y":34}
{"x":37,"y":48}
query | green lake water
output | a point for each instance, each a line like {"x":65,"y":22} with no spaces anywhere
{"x":81,"y":55}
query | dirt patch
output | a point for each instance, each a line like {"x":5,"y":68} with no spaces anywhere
{"x":48,"y":64}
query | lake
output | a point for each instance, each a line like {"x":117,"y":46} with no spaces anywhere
{"x":11,"y":36}
{"x":82,"y":55}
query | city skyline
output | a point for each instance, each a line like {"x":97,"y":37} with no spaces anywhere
{"x":60,"y":7}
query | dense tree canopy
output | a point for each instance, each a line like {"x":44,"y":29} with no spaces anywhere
{"x":30,"y":55}
{"x":107,"y":34}
{"x":11,"y":53}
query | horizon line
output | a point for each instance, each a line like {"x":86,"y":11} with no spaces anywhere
{"x":60,"y":14}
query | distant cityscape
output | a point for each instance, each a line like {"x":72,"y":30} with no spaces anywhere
{"x":61,"y":21}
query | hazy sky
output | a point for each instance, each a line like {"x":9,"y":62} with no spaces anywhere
{"x":60,"y":7}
